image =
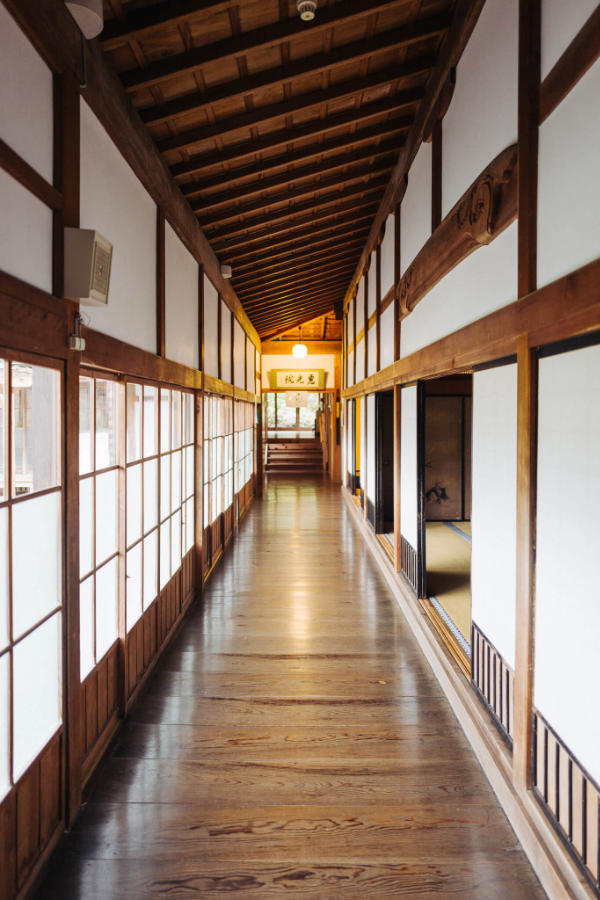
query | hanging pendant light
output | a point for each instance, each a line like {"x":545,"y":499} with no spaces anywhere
{"x":88,"y":15}
{"x":299,"y":351}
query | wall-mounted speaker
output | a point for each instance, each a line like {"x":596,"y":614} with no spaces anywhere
{"x":88,"y":258}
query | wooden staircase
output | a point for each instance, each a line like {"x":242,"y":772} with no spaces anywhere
{"x":294,"y":457}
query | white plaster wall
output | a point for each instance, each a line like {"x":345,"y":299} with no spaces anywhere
{"x":371,"y":448}
{"x":360,"y":305}
{"x":287,"y":361}
{"x":567,"y":618}
{"x":372,"y":282}
{"x":408,"y":466}
{"x":250,"y":365}
{"x":360,"y":360}
{"x":560,"y":23}
{"x":350,"y":368}
{"x":114,"y":202}
{"x":226,"y":373}
{"x":211,"y":329}
{"x":386,"y":335}
{"x":26,"y":98}
{"x":239,"y":362}
{"x":181,"y":301}
{"x":25,"y":235}
{"x":415,"y":209}
{"x":483,"y":282}
{"x":388,"y":255}
{"x":569,"y":187}
{"x":494,"y":506}
{"x":372,"y":354}
{"x":482,"y":118}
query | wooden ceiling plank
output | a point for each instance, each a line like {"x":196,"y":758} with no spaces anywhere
{"x":279,"y":272}
{"x":294,"y":295}
{"x":303,"y":103}
{"x":294,"y":283}
{"x":142,"y":22}
{"x":266,"y":36}
{"x":282,"y":138}
{"x":197,"y":102}
{"x":262,"y":249}
{"x":366,"y":170}
{"x":225,"y":198}
{"x":267,"y":331}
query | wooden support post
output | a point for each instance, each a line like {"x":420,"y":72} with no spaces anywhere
{"x":219,"y":337}
{"x":160,"y":284}
{"x":354,"y":305}
{"x":528,"y":118}
{"x":397,"y":250}
{"x":378,"y":308}
{"x":436,"y":176}
{"x":526,"y":525}
{"x":366,"y":326}
{"x":397,"y":470}
{"x":199,"y":447}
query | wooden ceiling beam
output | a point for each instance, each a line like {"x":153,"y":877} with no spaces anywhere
{"x":390,"y":128}
{"x":258,"y":276}
{"x":366,"y":170}
{"x":290,"y":299}
{"x":139,"y":24}
{"x":310,"y":236}
{"x":238,"y":45}
{"x":225,"y":198}
{"x":288,"y":215}
{"x":293,"y":283}
{"x":282,"y":138}
{"x":268,"y":332}
{"x":301,"y":103}
{"x":395,"y":38}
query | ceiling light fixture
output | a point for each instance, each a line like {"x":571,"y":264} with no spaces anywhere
{"x":307,"y":9}
{"x":88,"y":15}
{"x":299,"y":351}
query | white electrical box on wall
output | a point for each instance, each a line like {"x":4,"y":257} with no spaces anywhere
{"x":88,"y":258}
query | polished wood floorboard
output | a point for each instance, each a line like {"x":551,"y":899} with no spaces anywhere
{"x":292,"y":742}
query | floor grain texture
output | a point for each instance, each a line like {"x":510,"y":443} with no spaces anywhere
{"x":292,"y":742}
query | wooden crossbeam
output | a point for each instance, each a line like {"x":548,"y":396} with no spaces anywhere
{"x":284,"y":137}
{"x":287,"y":324}
{"x":143,"y":22}
{"x":262,"y":246}
{"x":293,"y":283}
{"x":302,"y":103}
{"x":237,"y":45}
{"x":257,"y":276}
{"x":198,"y":101}
{"x":290,"y":300}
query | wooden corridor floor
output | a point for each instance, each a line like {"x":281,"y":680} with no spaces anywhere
{"x":292,"y":742}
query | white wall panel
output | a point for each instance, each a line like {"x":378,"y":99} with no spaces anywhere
{"x":483,"y":282}
{"x":560,"y":23}
{"x":388,"y":246}
{"x":415,"y":210}
{"x":370,"y":461}
{"x":494,"y":507}
{"x":360,"y":360}
{"x":569,"y":187}
{"x":567,"y":616}
{"x":250,"y":365}
{"x":350,"y":368}
{"x":386,"y":336}
{"x":26,"y":98}
{"x":211,"y":329}
{"x":372,"y":351}
{"x":115,"y":203}
{"x":482,"y":118}
{"x":25,"y":235}
{"x":239,"y":360}
{"x":360,"y":306}
{"x":226,"y":372}
{"x":181,"y":301}
{"x":408,"y":466}
{"x":372,"y":282}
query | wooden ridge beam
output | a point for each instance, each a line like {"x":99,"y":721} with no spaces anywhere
{"x":302,"y":103}
{"x":198,"y":101}
{"x":390,"y":128}
{"x":368,"y":187}
{"x":366,"y":169}
{"x":282,"y":138}
{"x":258,"y":278}
{"x":333,"y":163}
{"x":230,"y":48}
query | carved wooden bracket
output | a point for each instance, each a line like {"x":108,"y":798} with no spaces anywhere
{"x":486,"y":209}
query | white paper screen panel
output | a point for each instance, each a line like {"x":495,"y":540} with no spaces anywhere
{"x":569,"y":187}
{"x":25,"y":235}
{"x":386,"y":336}
{"x":388,"y":255}
{"x":226,"y":371}
{"x":372,"y":282}
{"x":567,"y":616}
{"x":239,"y":361}
{"x":26,"y":98}
{"x":494,"y":512}
{"x":370,"y":429}
{"x":372,"y":350}
{"x":115,"y":203}
{"x":351,"y":368}
{"x":181,"y":301}
{"x":250,"y":365}
{"x":483,"y":282}
{"x":360,"y":305}
{"x":560,"y":23}
{"x":360,"y":360}
{"x":408,"y":466}
{"x":211,"y":329}
{"x":415,"y":210}
{"x":482,"y":118}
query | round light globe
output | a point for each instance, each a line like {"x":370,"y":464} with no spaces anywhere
{"x":299,"y":351}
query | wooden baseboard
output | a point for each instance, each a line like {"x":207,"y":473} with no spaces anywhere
{"x":554,"y":867}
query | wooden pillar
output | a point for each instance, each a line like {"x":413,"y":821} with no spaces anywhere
{"x":378,"y":308}
{"x":354,"y":337}
{"x":366,"y":324}
{"x":160,"y":284}
{"x":436,"y":176}
{"x":528,"y":118}
{"x":219,"y":337}
{"x":199,"y":447}
{"x":397,"y":250}
{"x":397,"y":471}
{"x":525,"y":562}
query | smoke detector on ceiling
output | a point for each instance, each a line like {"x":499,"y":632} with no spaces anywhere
{"x":307,"y":9}
{"x":226,"y":271}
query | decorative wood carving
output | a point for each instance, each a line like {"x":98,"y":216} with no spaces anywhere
{"x":485,"y":210}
